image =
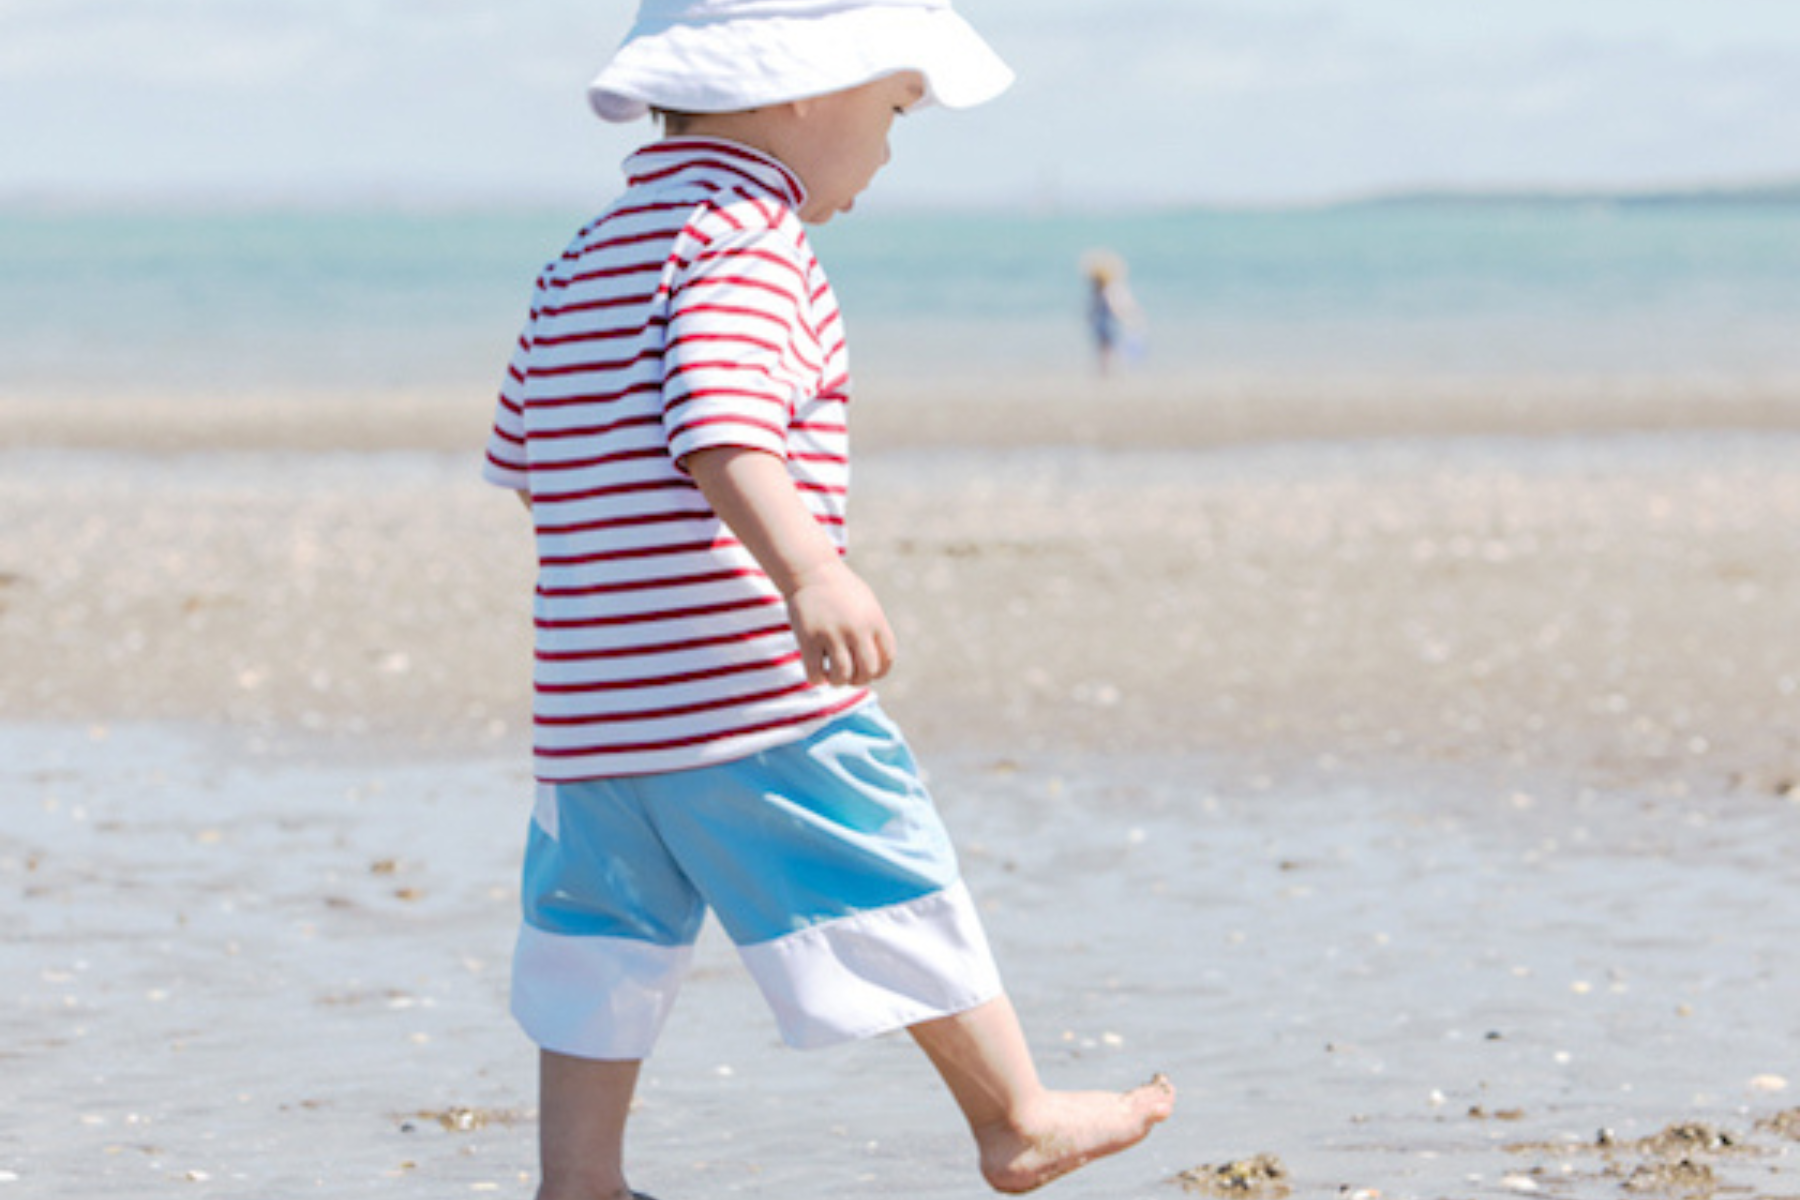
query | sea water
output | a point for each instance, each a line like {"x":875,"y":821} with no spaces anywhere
{"x":273,"y":300}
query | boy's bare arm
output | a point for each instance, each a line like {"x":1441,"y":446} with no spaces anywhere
{"x":843,"y":633}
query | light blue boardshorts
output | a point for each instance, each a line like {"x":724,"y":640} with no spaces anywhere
{"x":824,"y":860}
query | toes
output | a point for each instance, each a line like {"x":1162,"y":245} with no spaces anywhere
{"x":1158,"y":1095}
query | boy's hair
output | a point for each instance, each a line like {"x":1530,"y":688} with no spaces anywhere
{"x":674,"y":122}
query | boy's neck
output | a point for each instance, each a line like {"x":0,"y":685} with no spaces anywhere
{"x":760,"y":129}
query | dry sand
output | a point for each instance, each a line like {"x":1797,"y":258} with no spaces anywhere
{"x":1615,"y":604}
{"x":1417,"y":783}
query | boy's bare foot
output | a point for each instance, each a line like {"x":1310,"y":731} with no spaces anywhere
{"x":1063,"y":1131}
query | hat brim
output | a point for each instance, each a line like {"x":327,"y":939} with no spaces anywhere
{"x":735,"y":65}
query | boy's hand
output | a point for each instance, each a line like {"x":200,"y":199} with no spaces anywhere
{"x":844,"y":636}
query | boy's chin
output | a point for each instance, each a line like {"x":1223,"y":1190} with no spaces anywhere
{"x":825,"y":212}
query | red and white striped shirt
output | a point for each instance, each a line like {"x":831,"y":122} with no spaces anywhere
{"x":691,"y":314}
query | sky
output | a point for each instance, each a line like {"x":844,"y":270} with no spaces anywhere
{"x":1119,"y":102}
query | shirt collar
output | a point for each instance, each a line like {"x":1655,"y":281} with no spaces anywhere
{"x":717,"y":162}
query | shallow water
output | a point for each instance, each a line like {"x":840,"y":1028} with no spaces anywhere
{"x":344,"y":298}
{"x":258,"y":973}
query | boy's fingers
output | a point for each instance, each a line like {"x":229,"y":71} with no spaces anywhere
{"x":888,"y":649}
{"x":851,"y":663}
{"x":876,"y":657}
{"x":848,"y":659}
{"x":837,"y":663}
{"x":815,"y":654}
{"x":856,"y":664}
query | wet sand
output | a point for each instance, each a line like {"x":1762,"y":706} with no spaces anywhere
{"x":1418,"y":786}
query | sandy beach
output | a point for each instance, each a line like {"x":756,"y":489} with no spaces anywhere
{"x":1413,"y":773}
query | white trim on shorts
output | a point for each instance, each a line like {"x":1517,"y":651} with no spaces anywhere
{"x":877,"y":971}
{"x":858,"y":977}
{"x":632,"y":986}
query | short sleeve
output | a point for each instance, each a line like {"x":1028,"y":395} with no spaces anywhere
{"x":740,"y":352}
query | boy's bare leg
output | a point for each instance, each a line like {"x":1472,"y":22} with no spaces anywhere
{"x":582,"y":1106}
{"x":1029,"y":1135}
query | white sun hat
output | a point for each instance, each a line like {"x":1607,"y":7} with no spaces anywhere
{"x":704,"y":56}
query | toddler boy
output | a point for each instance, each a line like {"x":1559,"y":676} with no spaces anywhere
{"x":674,"y":415}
